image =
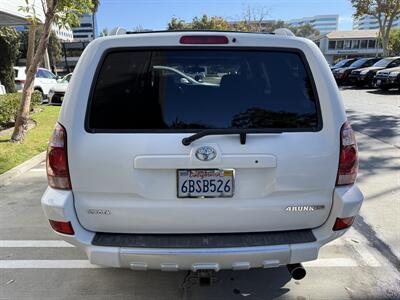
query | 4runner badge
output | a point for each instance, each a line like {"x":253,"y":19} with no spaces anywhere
{"x":304,"y":208}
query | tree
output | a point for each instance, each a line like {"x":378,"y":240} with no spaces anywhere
{"x":199,"y":23}
{"x":394,"y":42}
{"x":385,"y":11}
{"x":9,"y":45}
{"x":253,"y":19}
{"x":63,"y":13}
{"x":177,"y":24}
{"x":210,"y":23}
{"x":306,"y":30}
{"x":54,"y":46}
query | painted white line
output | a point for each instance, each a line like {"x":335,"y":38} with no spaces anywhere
{"x":331,"y":262}
{"x":34,"y":244}
{"x":46,"y":264}
{"x":38,"y":170}
{"x":367,"y":257}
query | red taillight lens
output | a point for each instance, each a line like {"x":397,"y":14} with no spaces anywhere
{"x":343,"y":223}
{"x":20,"y":81}
{"x":57,"y":161}
{"x":348,"y":159}
{"x":204,"y":39}
{"x":62,"y":227}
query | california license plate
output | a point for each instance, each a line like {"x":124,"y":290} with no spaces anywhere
{"x":205,"y":183}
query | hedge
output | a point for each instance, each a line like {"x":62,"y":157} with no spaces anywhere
{"x":9,"y":105}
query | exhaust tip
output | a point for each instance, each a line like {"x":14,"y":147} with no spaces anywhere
{"x":297,"y":271}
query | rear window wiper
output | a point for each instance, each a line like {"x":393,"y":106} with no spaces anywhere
{"x":241,"y":131}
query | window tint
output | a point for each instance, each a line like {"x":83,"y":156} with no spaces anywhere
{"x":395,"y":63}
{"x":40,"y":74}
{"x":383,"y":62}
{"x":191,"y":89}
{"x":48,"y":74}
{"x":358,"y":63}
{"x":343,"y":63}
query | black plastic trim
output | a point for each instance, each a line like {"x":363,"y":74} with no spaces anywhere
{"x":212,"y":240}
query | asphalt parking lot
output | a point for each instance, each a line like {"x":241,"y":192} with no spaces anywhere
{"x":364,"y":264}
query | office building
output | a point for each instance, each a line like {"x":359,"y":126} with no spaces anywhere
{"x":345,"y":44}
{"x":324,"y":23}
{"x":87,"y":30}
{"x":367,"y":22}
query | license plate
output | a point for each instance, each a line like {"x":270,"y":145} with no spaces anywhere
{"x":209,"y":183}
{"x":378,"y":82}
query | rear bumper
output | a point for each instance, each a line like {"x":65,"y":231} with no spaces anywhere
{"x":58,"y":205}
{"x":359,"y":79}
{"x":386,"y":82}
{"x":56,"y":98}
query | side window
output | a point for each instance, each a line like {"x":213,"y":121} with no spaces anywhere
{"x":369,"y":63}
{"x":48,"y":74}
{"x":395,"y":63}
{"x":40,"y":74}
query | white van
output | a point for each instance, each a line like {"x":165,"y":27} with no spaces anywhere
{"x":149,"y":171}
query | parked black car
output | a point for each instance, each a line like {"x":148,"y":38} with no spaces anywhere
{"x":341,"y":74}
{"x":365,"y":76}
{"x":343,"y":63}
{"x":388,"y":79}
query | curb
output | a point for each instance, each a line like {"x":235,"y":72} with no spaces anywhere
{"x":8,"y":176}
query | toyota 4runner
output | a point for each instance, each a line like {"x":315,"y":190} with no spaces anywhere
{"x":252,"y":165}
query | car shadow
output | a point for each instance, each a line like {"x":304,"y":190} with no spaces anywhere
{"x":381,"y":127}
{"x":253,"y":284}
{"x":353,"y":87}
{"x":382,"y":92}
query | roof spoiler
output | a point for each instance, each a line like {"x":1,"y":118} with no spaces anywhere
{"x":283,"y":31}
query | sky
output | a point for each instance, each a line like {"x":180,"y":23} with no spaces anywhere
{"x":155,"y":14}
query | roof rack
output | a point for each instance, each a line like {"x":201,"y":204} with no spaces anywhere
{"x":197,"y":30}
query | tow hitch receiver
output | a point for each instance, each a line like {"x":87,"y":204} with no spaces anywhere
{"x":205,"y":277}
{"x":201,"y":278}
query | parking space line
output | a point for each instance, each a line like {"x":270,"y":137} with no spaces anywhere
{"x":38,"y":170}
{"x":331,"y":262}
{"x":46,"y":264}
{"x":34,"y":244}
{"x":366,"y":256}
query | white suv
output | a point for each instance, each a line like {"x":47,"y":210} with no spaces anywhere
{"x":44,"y":80}
{"x":150,"y":171}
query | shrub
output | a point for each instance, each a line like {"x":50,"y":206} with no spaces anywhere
{"x":9,"y":44}
{"x":9,"y":104}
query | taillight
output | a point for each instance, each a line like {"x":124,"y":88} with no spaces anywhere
{"x":62,"y":227}
{"x":57,"y":161}
{"x":348,"y":159}
{"x":204,"y":39}
{"x":343,"y":223}
{"x":20,"y":81}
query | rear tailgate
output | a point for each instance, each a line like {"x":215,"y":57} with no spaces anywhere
{"x":125,"y":160}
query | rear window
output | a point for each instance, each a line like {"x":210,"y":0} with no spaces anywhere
{"x":189,"y":90}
